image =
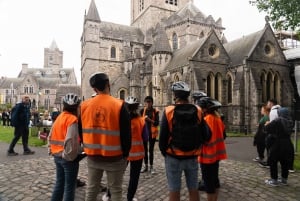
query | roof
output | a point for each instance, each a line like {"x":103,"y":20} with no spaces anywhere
{"x":181,"y":57}
{"x":243,"y":47}
{"x":161,"y":42}
{"x":121,"y":32}
{"x":93,"y":14}
{"x":291,"y":54}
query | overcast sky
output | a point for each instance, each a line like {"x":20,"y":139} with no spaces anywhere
{"x":29,"y":26}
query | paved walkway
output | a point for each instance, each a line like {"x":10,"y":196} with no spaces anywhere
{"x":31,"y":178}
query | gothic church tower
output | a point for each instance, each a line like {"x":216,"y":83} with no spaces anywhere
{"x":145,"y":14}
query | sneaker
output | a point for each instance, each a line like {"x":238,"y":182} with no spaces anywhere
{"x":145,"y":169}
{"x":271,"y":182}
{"x":282,"y":181}
{"x":28,"y":152}
{"x":152,"y":170}
{"x":257,"y":159}
{"x":105,"y":197}
{"x":12,"y":153}
{"x":134,"y":199}
{"x":264,"y":164}
{"x":291,"y":171}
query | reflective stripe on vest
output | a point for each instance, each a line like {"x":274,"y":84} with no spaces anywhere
{"x":137,"y":146}
{"x":215,"y":149}
{"x":173,"y":150}
{"x":59,"y":131}
{"x":100,"y":118}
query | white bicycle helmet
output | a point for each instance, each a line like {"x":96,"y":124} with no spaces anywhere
{"x":180,"y":86}
{"x":71,"y":99}
{"x":130,"y":100}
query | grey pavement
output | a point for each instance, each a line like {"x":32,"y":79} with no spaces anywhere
{"x":27,"y":178}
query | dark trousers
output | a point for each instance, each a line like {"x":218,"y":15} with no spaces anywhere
{"x":261,"y":150}
{"x":66,"y":175}
{"x":135,"y":169}
{"x":151,"y":150}
{"x":20,"y":131}
{"x":284,"y":168}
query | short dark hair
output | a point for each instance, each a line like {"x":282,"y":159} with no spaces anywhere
{"x":272,"y":100}
{"x":99,"y":81}
{"x":148,"y":98}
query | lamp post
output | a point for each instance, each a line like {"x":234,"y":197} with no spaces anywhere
{"x":142,"y":75}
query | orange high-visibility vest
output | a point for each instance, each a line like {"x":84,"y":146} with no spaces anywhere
{"x":100,"y":118}
{"x":137,"y":151}
{"x":154,"y":129}
{"x":59,"y":131}
{"x":215,"y":149}
{"x":173,"y":150}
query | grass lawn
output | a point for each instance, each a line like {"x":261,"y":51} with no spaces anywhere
{"x":6,"y":135}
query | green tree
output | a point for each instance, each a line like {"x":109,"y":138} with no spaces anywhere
{"x":284,"y":14}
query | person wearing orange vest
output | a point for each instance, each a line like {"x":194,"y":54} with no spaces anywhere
{"x":106,"y":134}
{"x":139,"y":133}
{"x":176,"y":160}
{"x":151,"y":116}
{"x":214,"y":150}
{"x":64,"y":146}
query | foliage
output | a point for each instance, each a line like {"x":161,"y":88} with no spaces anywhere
{"x":284,"y":14}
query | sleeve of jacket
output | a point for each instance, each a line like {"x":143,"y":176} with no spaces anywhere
{"x":156,"y":120}
{"x":125,"y":131}
{"x":163,"y":134}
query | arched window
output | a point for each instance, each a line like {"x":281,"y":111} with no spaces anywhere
{"x":269,"y":89}
{"x":113,"y":52}
{"x":122,"y":94}
{"x":210,"y":85}
{"x":175,"y":41}
{"x":229,"y":89}
{"x":264,"y":88}
{"x":277,"y":87}
{"x":217,"y":87}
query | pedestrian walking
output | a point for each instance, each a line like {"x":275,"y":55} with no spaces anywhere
{"x":106,"y":136}
{"x":151,"y":116}
{"x":139,"y":133}
{"x":20,"y":120}
{"x":280,"y":146}
{"x":65,"y":148}
{"x":260,"y":135}
{"x":179,"y":142}
{"x":214,"y":150}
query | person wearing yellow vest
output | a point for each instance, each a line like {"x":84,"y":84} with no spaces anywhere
{"x":139,"y":133}
{"x":151,"y":116}
{"x":106,"y":134}
{"x":177,"y":160}
{"x":65,"y":147}
{"x":214,"y":150}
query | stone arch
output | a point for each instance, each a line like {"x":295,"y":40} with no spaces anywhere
{"x":218,"y":87}
{"x":263,"y":82}
{"x":122,"y":93}
{"x":175,"y":41}
{"x":210,"y":84}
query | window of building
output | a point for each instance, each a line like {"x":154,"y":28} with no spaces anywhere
{"x":113,"y":52}
{"x":47,"y":91}
{"x":210,"y":85}
{"x":172,"y":2}
{"x":229,"y":89}
{"x":141,"y":5}
{"x":122,"y":94}
{"x":31,"y":89}
{"x":213,"y":51}
{"x":264,"y":87}
{"x":175,"y":41}
{"x":26,"y":91}
{"x":217,"y":87}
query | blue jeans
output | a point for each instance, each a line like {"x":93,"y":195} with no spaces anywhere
{"x":66,"y":175}
{"x":175,"y":167}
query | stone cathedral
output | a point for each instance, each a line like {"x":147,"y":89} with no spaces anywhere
{"x":172,"y":40}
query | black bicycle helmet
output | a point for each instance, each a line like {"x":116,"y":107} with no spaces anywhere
{"x":180,"y":89}
{"x":198,"y":94}
{"x":208,"y":103}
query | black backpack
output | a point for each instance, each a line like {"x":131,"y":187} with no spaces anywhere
{"x":187,"y":132}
